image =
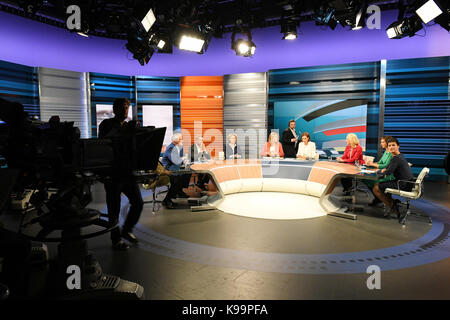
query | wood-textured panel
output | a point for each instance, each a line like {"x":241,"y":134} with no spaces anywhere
{"x":202,"y":101}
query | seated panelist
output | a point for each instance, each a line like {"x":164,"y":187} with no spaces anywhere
{"x":353,"y":152}
{"x":173,"y":159}
{"x":232,"y":150}
{"x":381,"y":164}
{"x":273,"y":147}
{"x":198,"y":153}
{"x":403,"y":177}
{"x":198,"y":150}
{"x":306,"y":148}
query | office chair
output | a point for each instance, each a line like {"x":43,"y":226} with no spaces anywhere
{"x":153,"y":185}
{"x":414,"y":194}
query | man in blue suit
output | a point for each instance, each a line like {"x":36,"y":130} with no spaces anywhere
{"x":172,"y":160}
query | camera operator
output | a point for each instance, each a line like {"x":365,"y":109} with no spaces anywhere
{"x":121,"y":182}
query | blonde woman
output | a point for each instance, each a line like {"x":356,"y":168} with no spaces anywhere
{"x":353,"y":152}
{"x":273,"y":147}
{"x":232,"y":149}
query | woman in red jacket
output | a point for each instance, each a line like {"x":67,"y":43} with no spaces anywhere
{"x":353,"y":152}
{"x":273,"y":148}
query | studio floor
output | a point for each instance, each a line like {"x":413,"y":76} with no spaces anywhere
{"x":216,"y":255}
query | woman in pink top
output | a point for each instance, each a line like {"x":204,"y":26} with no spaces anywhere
{"x":273,"y":148}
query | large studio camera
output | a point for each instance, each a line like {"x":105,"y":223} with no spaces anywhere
{"x":52,"y":160}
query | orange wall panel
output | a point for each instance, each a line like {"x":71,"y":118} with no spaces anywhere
{"x":202,"y":100}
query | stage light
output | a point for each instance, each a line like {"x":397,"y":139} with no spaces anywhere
{"x":191,"y":43}
{"x":140,"y":48}
{"x":288,"y":23}
{"x":148,"y":20}
{"x":429,"y":11}
{"x":289,"y":31}
{"x":161,"y":44}
{"x":193,"y":38}
{"x":406,"y":27}
{"x":243,"y":47}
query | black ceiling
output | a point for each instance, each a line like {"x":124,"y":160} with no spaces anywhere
{"x":108,"y":18}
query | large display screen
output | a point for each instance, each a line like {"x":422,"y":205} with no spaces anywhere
{"x":327,"y":122}
{"x":159,"y":116}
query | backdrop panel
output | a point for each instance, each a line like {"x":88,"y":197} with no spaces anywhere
{"x":202,"y":102}
{"x":245,"y":109}
{"x":64,"y":93}
{"x":417,"y":110}
{"x":19,"y":83}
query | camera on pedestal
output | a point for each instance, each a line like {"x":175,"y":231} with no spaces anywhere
{"x":60,"y":168}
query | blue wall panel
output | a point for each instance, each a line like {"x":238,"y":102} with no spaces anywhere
{"x":19,"y":83}
{"x":417,"y":110}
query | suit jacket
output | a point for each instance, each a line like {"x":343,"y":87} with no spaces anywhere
{"x":194,"y":154}
{"x":172,"y":160}
{"x":289,"y":147}
{"x":229,"y":152}
{"x":266,"y":149}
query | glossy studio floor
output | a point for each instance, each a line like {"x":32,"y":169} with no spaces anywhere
{"x":216,"y":255}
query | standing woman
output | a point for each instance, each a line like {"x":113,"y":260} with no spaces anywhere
{"x":232,"y":149}
{"x":273,"y":147}
{"x":353,"y":152}
{"x":381,"y":164}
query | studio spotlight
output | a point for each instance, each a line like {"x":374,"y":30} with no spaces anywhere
{"x":243,"y":47}
{"x":428,"y":11}
{"x":289,"y":25}
{"x":140,"y":48}
{"x":406,"y":27}
{"x":144,"y":16}
{"x":289,"y":31}
{"x":148,"y":20}
{"x":193,"y":39}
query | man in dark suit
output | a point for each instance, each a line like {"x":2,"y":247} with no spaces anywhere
{"x":199,"y":153}
{"x":289,"y":141}
{"x":198,"y":150}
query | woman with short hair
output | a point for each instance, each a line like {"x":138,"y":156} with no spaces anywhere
{"x":232,"y":149}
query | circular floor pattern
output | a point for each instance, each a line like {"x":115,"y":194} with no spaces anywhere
{"x":431,"y":247}
{"x":272,"y":205}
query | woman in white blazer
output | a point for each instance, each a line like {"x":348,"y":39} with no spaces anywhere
{"x":306,"y":148}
